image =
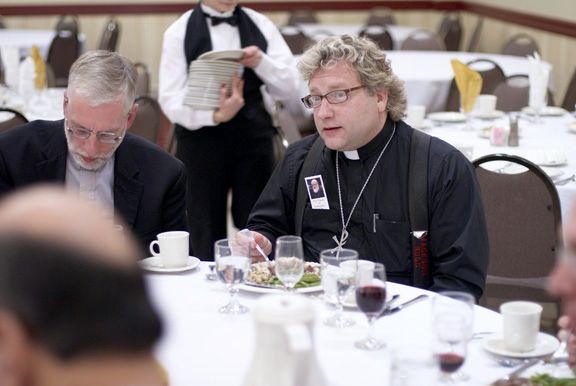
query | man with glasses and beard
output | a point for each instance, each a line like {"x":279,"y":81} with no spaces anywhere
{"x":91,"y":152}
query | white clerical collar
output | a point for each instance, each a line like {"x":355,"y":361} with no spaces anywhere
{"x":352,"y":154}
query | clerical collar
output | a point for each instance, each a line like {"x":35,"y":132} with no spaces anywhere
{"x":375,"y":145}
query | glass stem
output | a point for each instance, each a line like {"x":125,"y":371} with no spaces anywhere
{"x":233,"y":291}
{"x":371,"y":329}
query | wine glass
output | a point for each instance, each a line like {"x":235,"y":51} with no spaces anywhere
{"x":289,"y":265}
{"x":338,"y":273}
{"x":232,"y":266}
{"x":452,"y":338}
{"x":460,"y":304}
{"x":371,"y":300}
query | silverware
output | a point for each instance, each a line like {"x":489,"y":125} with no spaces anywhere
{"x":518,"y":371}
{"x":248,"y":234}
{"x":564,"y":181}
{"x":211,"y":275}
{"x":401,"y":306}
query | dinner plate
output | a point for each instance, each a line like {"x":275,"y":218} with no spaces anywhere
{"x":545,"y":345}
{"x":550,"y":157}
{"x":447,"y":116}
{"x":227,"y":54}
{"x":153,"y":264}
{"x":489,"y":115}
{"x":264,"y":289}
{"x":550,"y":111}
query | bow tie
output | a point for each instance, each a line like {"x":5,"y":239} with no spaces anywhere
{"x":232,"y":20}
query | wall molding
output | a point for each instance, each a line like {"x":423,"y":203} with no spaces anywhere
{"x":557,"y":26}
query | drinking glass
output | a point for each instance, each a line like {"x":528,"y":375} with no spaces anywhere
{"x":458,"y":304}
{"x":289,"y":261}
{"x":371,"y":300}
{"x":338,"y":273}
{"x":452,"y":338}
{"x":232,"y":266}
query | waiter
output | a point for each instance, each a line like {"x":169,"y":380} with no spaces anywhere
{"x":230,"y":147}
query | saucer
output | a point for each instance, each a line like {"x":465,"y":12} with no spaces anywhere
{"x":447,"y":116}
{"x":545,"y":345}
{"x":153,"y":264}
{"x":547,"y":111}
{"x":495,"y":114}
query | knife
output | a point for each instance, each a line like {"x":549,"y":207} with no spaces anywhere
{"x":399,"y":307}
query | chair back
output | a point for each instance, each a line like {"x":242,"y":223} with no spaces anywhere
{"x":68,"y":23}
{"x":520,"y":45}
{"x":423,"y":40}
{"x":450,"y":31}
{"x":151,"y":123}
{"x":63,"y":51}
{"x":17,"y":119}
{"x":512,"y":93}
{"x":302,"y":16}
{"x":296,"y":39}
{"x":522,"y":212}
{"x":475,"y":36}
{"x":380,"y":16}
{"x":379,"y":35}
{"x":109,"y":38}
{"x":491,"y":73}
{"x":143,"y":82}
{"x":570,"y":96}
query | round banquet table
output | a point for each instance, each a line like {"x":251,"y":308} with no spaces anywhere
{"x":24,"y":39}
{"x":202,"y":347}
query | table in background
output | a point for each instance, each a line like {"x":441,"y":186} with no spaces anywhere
{"x":202,"y":347}
{"x":399,"y":33}
{"x":26,"y":38}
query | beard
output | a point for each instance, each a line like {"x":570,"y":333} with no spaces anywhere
{"x":98,"y":161}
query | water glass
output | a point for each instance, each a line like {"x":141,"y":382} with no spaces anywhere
{"x":232,"y":266}
{"x":338,"y":273}
{"x":289,"y":259}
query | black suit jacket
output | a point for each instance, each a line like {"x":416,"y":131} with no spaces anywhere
{"x":149,"y":184}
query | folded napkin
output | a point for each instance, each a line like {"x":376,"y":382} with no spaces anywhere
{"x":538,"y":75}
{"x":11,"y":59}
{"x":39,"y":69}
{"x":469,"y":83}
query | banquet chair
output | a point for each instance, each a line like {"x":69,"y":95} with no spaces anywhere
{"x":68,"y":23}
{"x":513,"y":93}
{"x":17,"y":120}
{"x":143,"y":82}
{"x":379,"y":35}
{"x":475,"y":36}
{"x":523,"y":218}
{"x":2,"y":23}
{"x":302,"y":16}
{"x":570,"y":96}
{"x":423,"y":40}
{"x":380,"y":16}
{"x":151,"y":123}
{"x":520,"y":45}
{"x":296,"y":39}
{"x":109,"y":38}
{"x":450,"y":31}
{"x":64,"y":50}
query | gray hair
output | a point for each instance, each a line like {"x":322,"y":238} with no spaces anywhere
{"x":363,"y":55}
{"x":102,"y":76}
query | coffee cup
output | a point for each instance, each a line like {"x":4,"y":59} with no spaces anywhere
{"x":486,"y":104}
{"x":415,"y":115}
{"x":173,"y":248}
{"x":521,"y":323}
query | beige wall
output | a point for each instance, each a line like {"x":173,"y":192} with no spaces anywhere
{"x":141,"y":36}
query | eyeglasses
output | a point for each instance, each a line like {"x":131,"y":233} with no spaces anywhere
{"x":333,"y":97}
{"x":106,"y":137}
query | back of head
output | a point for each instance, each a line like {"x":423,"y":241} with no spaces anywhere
{"x":364,"y":56}
{"x":101,"y":76}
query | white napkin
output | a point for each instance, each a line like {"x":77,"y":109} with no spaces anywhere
{"x":538,"y":74}
{"x":11,"y":60}
{"x":26,"y":77}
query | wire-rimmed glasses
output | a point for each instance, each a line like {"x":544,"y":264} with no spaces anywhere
{"x":333,"y":97}
{"x":107,"y":137}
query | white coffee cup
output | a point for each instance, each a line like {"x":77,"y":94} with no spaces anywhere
{"x":485,"y":104}
{"x":521,"y":323}
{"x":173,"y":248}
{"x":415,"y":115}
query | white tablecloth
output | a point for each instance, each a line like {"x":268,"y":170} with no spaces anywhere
{"x":26,"y":38}
{"x":202,"y":347}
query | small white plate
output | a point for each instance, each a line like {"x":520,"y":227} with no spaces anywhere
{"x":489,"y":115}
{"x":447,"y":116}
{"x":153,"y":264}
{"x":262,"y":289}
{"x":545,"y":345}
{"x":549,"y":111}
{"x":227,"y":55}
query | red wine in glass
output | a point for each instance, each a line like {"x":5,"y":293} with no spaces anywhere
{"x":450,"y":362}
{"x":371,"y":299}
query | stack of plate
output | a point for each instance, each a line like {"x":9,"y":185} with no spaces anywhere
{"x":207,"y":74}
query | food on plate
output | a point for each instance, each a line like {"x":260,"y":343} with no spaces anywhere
{"x":263,"y":274}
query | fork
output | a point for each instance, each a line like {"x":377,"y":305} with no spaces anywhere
{"x":564,"y":181}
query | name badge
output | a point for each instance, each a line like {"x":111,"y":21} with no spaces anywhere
{"x":316,"y":192}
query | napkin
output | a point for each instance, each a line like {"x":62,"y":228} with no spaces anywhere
{"x":39,"y":69}
{"x":11,"y":60}
{"x":538,"y":74}
{"x":469,"y":83}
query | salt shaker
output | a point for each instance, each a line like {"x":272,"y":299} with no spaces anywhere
{"x":513,"y":135}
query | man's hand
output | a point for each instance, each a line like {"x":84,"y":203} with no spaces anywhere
{"x":566,"y":327}
{"x":252,"y":57}
{"x":230,"y":105}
